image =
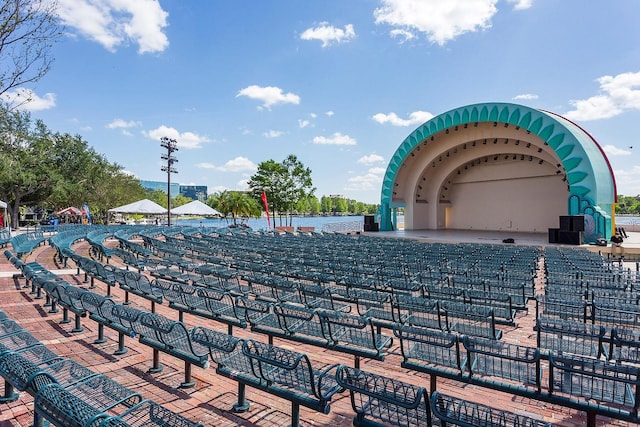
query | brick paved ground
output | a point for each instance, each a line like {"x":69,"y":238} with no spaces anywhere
{"x":209,"y":402}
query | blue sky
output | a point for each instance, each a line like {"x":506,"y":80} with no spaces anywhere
{"x":338,"y":83}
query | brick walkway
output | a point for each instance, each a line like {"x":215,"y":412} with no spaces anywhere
{"x":209,"y":402}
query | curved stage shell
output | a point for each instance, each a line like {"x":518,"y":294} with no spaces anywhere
{"x":498,"y":166}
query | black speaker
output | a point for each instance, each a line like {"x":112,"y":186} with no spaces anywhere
{"x":570,"y":237}
{"x":553,"y":235}
{"x":369,"y":219}
{"x":565,"y":223}
{"x":371,"y":227}
{"x":577,"y":223}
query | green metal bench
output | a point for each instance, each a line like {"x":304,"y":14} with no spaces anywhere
{"x":450,"y":410}
{"x":106,"y":312}
{"x":565,"y":336}
{"x":149,"y":413}
{"x":502,"y":365}
{"x":390,"y":401}
{"x":173,"y":338}
{"x":283,"y":373}
{"x":434,"y":352}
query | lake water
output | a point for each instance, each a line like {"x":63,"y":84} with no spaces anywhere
{"x":328,"y":223}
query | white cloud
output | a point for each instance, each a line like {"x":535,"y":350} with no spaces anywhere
{"x":239,"y":164}
{"x":216,"y":188}
{"x":329,"y":113}
{"x":618,"y":94}
{"x":403,"y":35}
{"x":269,"y":95}
{"x":441,"y":21}
{"x":371,"y":159}
{"x":184,"y":139}
{"x":612,"y":150}
{"x":366,"y":182}
{"x":628,"y":181}
{"x":521,"y":4}
{"x":329,"y":34}
{"x":335,"y":139}
{"x":303,"y":123}
{"x":28,"y":100}
{"x":313,"y":115}
{"x":115,"y":22}
{"x":273,"y":133}
{"x":525,"y":96}
{"x":123,"y":124}
{"x":415,"y":118}
{"x":377,"y":171}
{"x":205,"y":165}
{"x":243,"y":184}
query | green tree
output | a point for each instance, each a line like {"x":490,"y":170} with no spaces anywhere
{"x":28,"y":31}
{"x":326,"y":204}
{"x":39,"y":168}
{"x":157,"y":196}
{"x":180,"y":200}
{"x":284,"y":184}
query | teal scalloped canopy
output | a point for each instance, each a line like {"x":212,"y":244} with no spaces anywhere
{"x":588,"y":171}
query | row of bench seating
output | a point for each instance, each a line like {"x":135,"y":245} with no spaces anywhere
{"x":67,"y":393}
{"x":5,"y":238}
{"x":586,"y":383}
{"x":25,"y":243}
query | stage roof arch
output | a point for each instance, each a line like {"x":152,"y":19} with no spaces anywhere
{"x":479,"y":150}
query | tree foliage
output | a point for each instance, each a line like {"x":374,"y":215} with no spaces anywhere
{"x":52,"y":170}
{"x":629,"y":205}
{"x":235,"y":204}
{"x":28,"y":30}
{"x":286,"y":184}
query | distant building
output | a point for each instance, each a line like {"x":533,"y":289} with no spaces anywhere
{"x":194,"y":192}
{"x":162,"y":186}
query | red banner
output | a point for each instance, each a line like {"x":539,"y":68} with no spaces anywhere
{"x":266,"y":208}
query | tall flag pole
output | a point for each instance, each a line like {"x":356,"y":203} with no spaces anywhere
{"x":266,"y":208}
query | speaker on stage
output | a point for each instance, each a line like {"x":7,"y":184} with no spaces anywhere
{"x":577,"y":223}
{"x":371,"y":227}
{"x":570,"y":237}
{"x":565,"y":223}
{"x":369,"y":219}
{"x":553,"y":235}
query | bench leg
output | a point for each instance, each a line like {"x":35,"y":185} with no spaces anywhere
{"x":93,"y":283}
{"x":295,"y":414}
{"x":153,"y":306}
{"x":47,"y":301}
{"x":108,"y":290}
{"x":188,"y":382}
{"x":38,"y":293}
{"x":230,"y":329}
{"x":121,"y":348}
{"x":433,"y":380}
{"x":156,"y":362}
{"x":38,"y":420}
{"x":54,"y":306}
{"x":591,"y":419}
{"x":356,"y":362}
{"x":77,"y":327}
{"x":86,"y":278}
{"x":65,"y":316}
{"x":101,"y":339}
{"x":126,"y":298}
{"x":241,"y":405}
{"x":180,"y":316}
{"x":9,"y":395}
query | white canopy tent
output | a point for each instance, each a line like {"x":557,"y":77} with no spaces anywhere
{"x":195,"y":208}
{"x":144,"y":206}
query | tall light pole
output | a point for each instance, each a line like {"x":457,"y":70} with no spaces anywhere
{"x":171,"y":145}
